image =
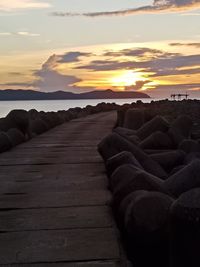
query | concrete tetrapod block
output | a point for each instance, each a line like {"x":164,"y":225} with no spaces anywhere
{"x":119,"y":159}
{"x":120,"y":117}
{"x":134,"y":119}
{"x":146,"y":225}
{"x":191,"y":156}
{"x":127,"y":179}
{"x":184,"y":180}
{"x":156,"y":124}
{"x":180,"y":129}
{"x":5,"y":143}
{"x":38,"y":126}
{"x":185,"y":230}
{"x":121,"y":211}
{"x":113,"y":144}
{"x":19,"y":119}
{"x":127,"y":134}
{"x":189,"y":145}
{"x":157,"y":140}
{"x":124,"y":131}
{"x":169,"y":160}
{"x":16,"y":136}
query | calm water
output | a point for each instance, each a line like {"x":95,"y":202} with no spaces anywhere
{"x":55,"y":105}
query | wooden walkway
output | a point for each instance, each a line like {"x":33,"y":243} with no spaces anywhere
{"x":54,"y":200}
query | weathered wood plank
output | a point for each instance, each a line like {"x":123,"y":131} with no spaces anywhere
{"x":58,"y":245}
{"x":24,"y":185}
{"x":55,"y":199}
{"x":74,"y":264}
{"x":58,"y":172}
{"x":55,"y":218}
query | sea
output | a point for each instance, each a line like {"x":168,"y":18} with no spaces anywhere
{"x":55,"y":105}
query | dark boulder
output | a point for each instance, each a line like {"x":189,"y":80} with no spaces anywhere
{"x":127,"y":179}
{"x":180,"y":129}
{"x":38,"y":126}
{"x":120,"y":117}
{"x":134,"y":119}
{"x":169,"y":160}
{"x":158,"y":123}
{"x":185,"y":230}
{"x":157,"y":140}
{"x":119,"y":159}
{"x":19,"y":119}
{"x":16,"y":136}
{"x":114,"y":144}
{"x":5,"y":143}
{"x":189,"y":146}
{"x":184,"y":180}
{"x":146,"y":226}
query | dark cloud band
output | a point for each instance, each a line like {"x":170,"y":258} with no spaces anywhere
{"x":158,"y":6}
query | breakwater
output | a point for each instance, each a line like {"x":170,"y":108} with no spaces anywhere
{"x":152,"y":159}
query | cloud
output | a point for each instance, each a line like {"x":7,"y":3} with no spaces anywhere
{"x":139,"y":52}
{"x":48,"y":79}
{"x":137,"y":86}
{"x":72,"y":57}
{"x":196,"y":45}
{"x":158,"y":6}
{"x":157,"y":62}
{"x":20,"y":33}
{"x":13,"y":5}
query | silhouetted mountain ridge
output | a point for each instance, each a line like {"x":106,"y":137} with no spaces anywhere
{"x":10,"y":94}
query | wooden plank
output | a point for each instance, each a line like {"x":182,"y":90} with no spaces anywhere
{"x":74,"y":264}
{"x":58,"y":246}
{"x":46,"y":185}
{"x":55,"y":199}
{"x":55,"y":218}
{"x":61,"y":170}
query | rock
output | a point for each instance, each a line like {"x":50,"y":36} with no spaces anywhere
{"x":38,"y":126}
{"x":157,"y":140}
{"x":146,"y":222}
{"x":5,"y":124}
{"x":134,"y":119}
{"x":19,"y":119}
{"x":169,"y":160}
{"x":180,"y":129}
{"x":184,"y":230}
{"x":128,"y":178}
{"x":121,"y":211}
{"x":191,"y":156}
{"x":124,"y":131}
{"x":15,"y":136}
{"x":189,"y":145}
{"x":156,"y":124}
{"x":176,"y":169}
{"x":127,"y":134}
{"x":33,"y":114}
{"x":5,"y":143}
{"x":184,"y":180}
{"x":120,"y":117}
{"x":107,"y":147}
{"x":114,"y":144}
{"x":119,"y":159}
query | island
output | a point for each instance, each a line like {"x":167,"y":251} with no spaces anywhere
{"x":9,"y":94}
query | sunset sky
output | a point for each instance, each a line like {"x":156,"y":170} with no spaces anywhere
{"x":81,"y":45}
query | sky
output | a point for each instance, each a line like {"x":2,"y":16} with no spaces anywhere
{"x":150,"y":46}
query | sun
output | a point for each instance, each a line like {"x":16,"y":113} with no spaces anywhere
{"x":127,"y":78}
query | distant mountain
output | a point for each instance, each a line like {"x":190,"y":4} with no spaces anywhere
{"x":59,"y":95}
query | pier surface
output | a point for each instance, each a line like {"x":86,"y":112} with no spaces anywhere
{"x":54,"y":202}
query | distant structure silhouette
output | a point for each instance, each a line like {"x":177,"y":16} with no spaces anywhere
{"x":179,"y":96}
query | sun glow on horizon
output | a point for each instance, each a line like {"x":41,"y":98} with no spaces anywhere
{"x":127,"y":78}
